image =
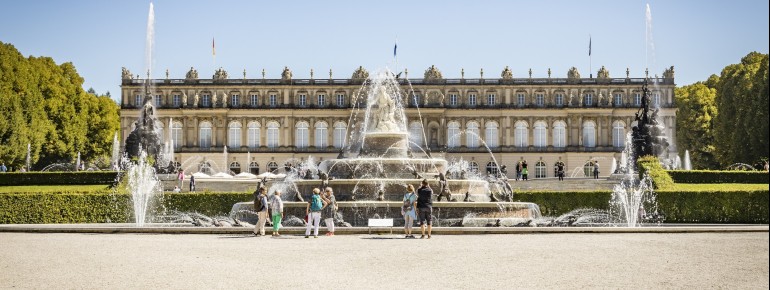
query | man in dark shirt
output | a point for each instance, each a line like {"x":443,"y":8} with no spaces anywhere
{"x":425,"y":207}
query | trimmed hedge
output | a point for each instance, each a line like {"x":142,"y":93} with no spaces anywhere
{"x":719,"y":176}
{"x":58,"y":178}
{"x":558,"y":203}
{"x":740,"y":206}
{"x":651,"y":165}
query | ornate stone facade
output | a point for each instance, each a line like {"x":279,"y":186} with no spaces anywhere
{"x":542,"y":120}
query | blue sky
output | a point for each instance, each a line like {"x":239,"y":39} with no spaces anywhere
{"x":698,"y":37}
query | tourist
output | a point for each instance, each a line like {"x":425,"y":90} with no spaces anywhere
{"x":524,"y":170}
{"x":518,"y":170}
{"x":408,"y":211}
{"x":192,"y":182}
{"x":425,"y":207}
{"x":180,"y":176}
{"x":3,"y":169}
{"x":329,"y":210}
{"x":596,"y":170}
{"x":276,"y":207}
{"x":176,"y":188}
{"x":560,"y":170}
{"x":260,"y":205}
{"x":313,"y":212}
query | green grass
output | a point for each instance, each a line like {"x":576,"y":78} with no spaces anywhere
{"x":717,"y":186}
{"x":54,"y":188}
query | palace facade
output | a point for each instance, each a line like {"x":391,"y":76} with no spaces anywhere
{"x":262,"y":123}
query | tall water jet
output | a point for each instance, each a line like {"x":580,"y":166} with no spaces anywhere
{"x":687,"y":164}
{"x":29,"y":156}
{"x":225,"y":165}
{"x":631,"y":199}
{"x":649,"y":43}
{"x":77,"y":163}
{"x":115,"y":160}
{"x":143,"y":186}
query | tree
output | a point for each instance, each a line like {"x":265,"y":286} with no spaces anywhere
{"x":740,"y":129}
{"x":694,"y":123}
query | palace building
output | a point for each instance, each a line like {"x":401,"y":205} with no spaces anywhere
{"x":255,"y":125}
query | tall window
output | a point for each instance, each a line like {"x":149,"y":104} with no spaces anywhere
{"x":559,"y":100}
{"x":472,"y":99}
{"x":415,"y":134}
{"x":254,"y":168}
{"x":301,"y":135}
{"x":235,"y":101}
{"x":322,"y":100}
{"x":176,"y":134}
{"x":321,"y":134}
{"x":589,"y":134}
{"x":520,"y":134}
{"x":539,"y":99}
{"x":254,"y":128}
{"x":453,"y":134}
{"x":559,"y":134}
{"x":491,"y":135}
{"x":204,"y":134}
{"x":177,"y":101}
{"x":589,"y":100}
{"x":472,"y":135}
{"x":618,"y":100}
{"x":234,"y":135}
{"x":138,"y":101}
{"x":453,"y":99}
{"x":656,"y":99}
{"x":492,"y":168}
{"x":618,"y":134}
{"x":340,"y":100}
{"x":540,"y":169}
{"x":339,"y":134}
{"x":491,"y":100}
{"x":520,"y":99}
{"x":273,"y":99}
{"x":540,"y":134}
{"x":158,"y":100}
{"x":302,"y":100}
{"x":273,"y":137}
{"x":254,"y":101}
{"x":205,"y":100}
{"x":637,"y":99}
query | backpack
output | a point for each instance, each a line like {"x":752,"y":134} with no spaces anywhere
{"x":315,"y":203}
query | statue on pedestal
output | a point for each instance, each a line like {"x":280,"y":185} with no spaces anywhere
{"x":386,"y":107}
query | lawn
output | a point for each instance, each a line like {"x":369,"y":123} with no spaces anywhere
{"x":54,"y":188}
{"x":718,"y":186}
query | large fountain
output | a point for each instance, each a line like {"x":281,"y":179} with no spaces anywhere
{"x":370,"y":175}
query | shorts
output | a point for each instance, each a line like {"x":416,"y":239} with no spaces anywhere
{"x":424,"y":214}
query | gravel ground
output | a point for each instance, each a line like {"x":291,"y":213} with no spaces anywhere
{"x":542,"y":261}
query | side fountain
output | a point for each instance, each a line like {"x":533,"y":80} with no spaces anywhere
{"x":370,"y":175}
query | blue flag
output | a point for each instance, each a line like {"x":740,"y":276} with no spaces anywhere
{"x":589,"y":45}
{"x":395,"y":46}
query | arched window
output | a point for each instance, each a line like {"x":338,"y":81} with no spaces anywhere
{"x":492,"y":168}
{"x":453,"y":134}
{"x":540,"y":169}
{"x":273,"y":138}
{"x":176,"y":134}
{"x":235,"y":167}
{"x":491,"y":134}
{"x":472,"y":135}
{"x":254,"y":132}
{"x":161,"y":128}
{"x":301,"y":135}
{"x":589,"y":134}
{"x":559,"y":134}
{"x":473,"y":167}
{"x":204,"y":135}
{"x":588,"y":169}
{"x":321,"y":134}
{"x":415,"y":134}
{"x":618,"y":134}
{"x":234,"y":135}
{"x":254,"y":168}
{"x":540,"y":134}
{"x":205,"y":167}
{"x":272,"y":166}
{"x":520,"y":134}
{"x":340,"y":130}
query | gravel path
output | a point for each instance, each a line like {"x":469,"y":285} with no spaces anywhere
{"x":144,"y":261}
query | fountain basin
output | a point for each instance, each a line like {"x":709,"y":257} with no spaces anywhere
{"x":385,"y":167}
{"x":393,"y":189}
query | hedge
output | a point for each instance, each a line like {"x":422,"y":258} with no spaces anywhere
{"x":558,"y":203}
{"x":58,"y":178}
{"x":719,"y":176}
{"x":651,"y":166}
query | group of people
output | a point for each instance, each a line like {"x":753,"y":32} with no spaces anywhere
{"x":418,"y":206}
{"x":180,"y":178}
{"x":265,"y":207}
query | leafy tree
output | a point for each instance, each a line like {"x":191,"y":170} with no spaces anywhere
{"x":694,"y":123}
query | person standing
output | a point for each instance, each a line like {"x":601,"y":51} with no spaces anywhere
{"x":560,"y":170}
{"x":524,"y":170}
{"x":596,"y":170}
{"x":3,"y":169}
{"x":313,"y":211}
{"x":329,"y":210}
{"x":260,"y":205}
{"x":276,"y":207}
{"x":192,"y":182}
{"x":180,"y":177}
{"x":518,"y":170}
{"x":425,"y":207}
{"x":408,"y":211}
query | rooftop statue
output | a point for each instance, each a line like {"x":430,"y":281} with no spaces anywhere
{"x":192,"y":74}
{"x":360,"y":74}
{"x":286,"y":74}
{"x":669,"y":73}
{"x":220,"y":75}
{"x":573,"y":73}
{"x":603,"y":73}
{"x":126,"y":75}
{"x":432,"y":73}
{"x":506,"y":74}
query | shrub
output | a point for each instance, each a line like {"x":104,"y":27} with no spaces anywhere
{"x":719,"y":176}
{"x":738,"y":206}
{"x":651,"y":166}
{"x":58,"y":178}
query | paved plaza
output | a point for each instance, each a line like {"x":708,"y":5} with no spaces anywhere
{"x":234,"y":261}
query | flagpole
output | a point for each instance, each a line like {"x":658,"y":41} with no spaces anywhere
{"x":590,"y":61}
{"x":214,"y":53}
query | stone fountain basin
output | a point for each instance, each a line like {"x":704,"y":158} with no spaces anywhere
{"x":385,"y":167}
{"x":394,"y":189}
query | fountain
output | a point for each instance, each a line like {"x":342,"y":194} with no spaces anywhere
{"x":687,"y":164}
{"x":115,"y":160}
{"x":648,"y":134}
{"x":29,"y":156}
{"x":143,"y":186}
{"x":377,"y":162}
